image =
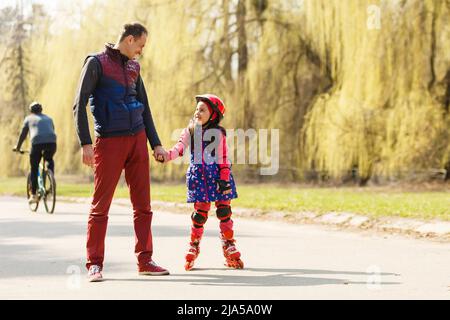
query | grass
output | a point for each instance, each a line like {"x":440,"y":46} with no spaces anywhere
{"x":375,"y":201}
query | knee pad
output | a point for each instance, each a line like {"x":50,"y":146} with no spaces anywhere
{"x":199,"y":217}
{"x":223,"y":213}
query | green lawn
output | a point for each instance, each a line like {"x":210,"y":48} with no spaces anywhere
{"x":367,"y":201}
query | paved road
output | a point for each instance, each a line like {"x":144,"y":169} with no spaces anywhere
{"x":41,"y":257}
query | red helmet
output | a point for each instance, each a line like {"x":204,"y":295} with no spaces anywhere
{"x":214,"y":102}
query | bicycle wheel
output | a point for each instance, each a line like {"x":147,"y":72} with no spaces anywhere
{"x":33,"y":206}
{"x":50,"y":191}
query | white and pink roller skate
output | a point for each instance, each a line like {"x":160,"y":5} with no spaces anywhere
{"x":231,"y":254}
{"x":194,"y":248}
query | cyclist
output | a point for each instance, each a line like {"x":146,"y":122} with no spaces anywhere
{"x":43,"y":143}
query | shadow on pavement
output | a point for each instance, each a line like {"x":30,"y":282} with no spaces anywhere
{"x":278,"y":278}
{"x":52,"y":229}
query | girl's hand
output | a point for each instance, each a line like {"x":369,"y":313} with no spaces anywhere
{"x":223,"y":187}
{"x":160,"y":158}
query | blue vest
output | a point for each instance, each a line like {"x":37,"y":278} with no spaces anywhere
{"x":113,"y":103}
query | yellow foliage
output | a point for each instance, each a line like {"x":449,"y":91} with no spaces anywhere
{"x":349,"y":83}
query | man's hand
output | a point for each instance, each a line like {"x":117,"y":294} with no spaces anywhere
{"x":88,"y":155}
{"x":160,"y":154}
{"x":15,"y":149}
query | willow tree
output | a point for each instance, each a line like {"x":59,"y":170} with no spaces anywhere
{"x":352,"y":86}
{"x":384,"y":114}
{"x":284,"y":77}
{"x":17,"y":77}
{"x":195,"y":47}
{"x":61,"y":54}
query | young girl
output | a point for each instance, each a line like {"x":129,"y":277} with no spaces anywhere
{"x":208,"y":177}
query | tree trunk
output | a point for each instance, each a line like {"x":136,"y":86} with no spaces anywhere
{"x":226,"y":41}
{"x":242,"y":37}
{"x":22,"y":85}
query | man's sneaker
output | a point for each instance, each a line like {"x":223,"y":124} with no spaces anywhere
{"x":34,"y":198}
{"x":95,"y":274}
{"x":152,"y":269}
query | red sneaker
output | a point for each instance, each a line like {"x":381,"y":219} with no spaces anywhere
{"x":152,"y":269}
{"x":95,"y":274}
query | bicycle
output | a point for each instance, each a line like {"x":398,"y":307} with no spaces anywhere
{"x":46,"y":187}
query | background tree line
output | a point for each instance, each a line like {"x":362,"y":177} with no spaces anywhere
{"x":351,"y":100}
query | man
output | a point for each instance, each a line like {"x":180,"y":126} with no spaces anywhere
{"x":123,"y":122}
{"x":43,"y":143}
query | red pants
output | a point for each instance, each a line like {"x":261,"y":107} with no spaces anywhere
{"x":112,"y":155}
